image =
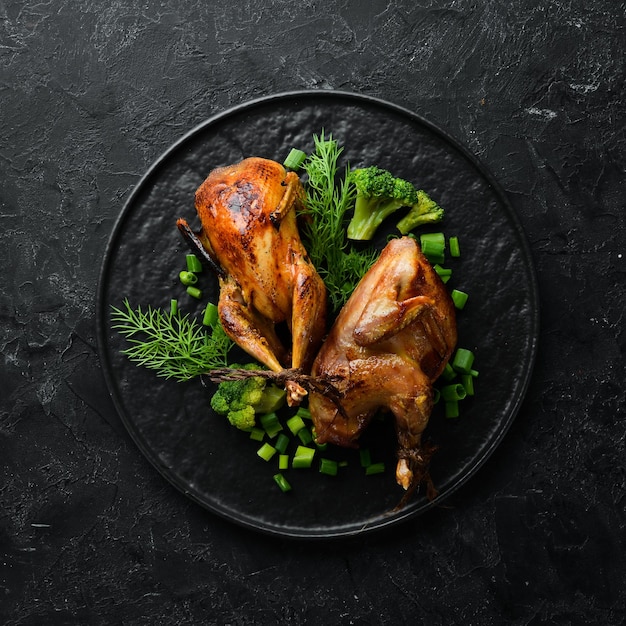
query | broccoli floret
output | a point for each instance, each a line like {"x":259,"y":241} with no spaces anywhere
{"x":240,"y":400}
{"x":424,"y":211}
{"x":378,"y":194}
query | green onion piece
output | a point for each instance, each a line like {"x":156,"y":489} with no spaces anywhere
{"x":320,"y":446}
{"x":439,"y":239}
{"x":459,"y":298}
{"x":266,"y":451}
{"x":343,"y":463}
{"x":433,"y":252}
{"x":282,"y":443}
{"x":365,"y":457}
{"x":270,"y":424}
{"x":375,"y":468}
{"x":453,"y":244}
{"x":173,"y":306}
{"x":448,"y":372}
{"x":257,"y":434}
{"x":328,"y":466}
{"x":442,"y":271}
{"x":187,"y":278}
{"x":194,"y":292}
{"x":474,"y":373}
{"x":436,"y":395}
{"x":210,"y":316}
{"x":304,"y":413}
{"x":294,"y":159}
{"x":451,"y":408}
{"x":193,"y":264}
{"x":305,"y":436}
{"x":467,"y":380}
{"x":463,"y":360}
{"x":303,"y":457}
{"x":453,"y":392}
{"x":295,"y":424}
{"x":281,"y":481}
{"x":283,"y":461}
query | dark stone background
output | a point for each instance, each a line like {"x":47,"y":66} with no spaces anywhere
{"x":91,"y":93}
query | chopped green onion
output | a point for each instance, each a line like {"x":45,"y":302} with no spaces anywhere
{"x":173,"y":306}
{"x":451,"y":408}
{"x":328,"y":466}
{"x":375,"y":468}
{"x":304,"y":413}
{"x":295,"y":424}
{"x":305,"y":436}
{"x":294,"y":159}
{"x":442,"y":271}
{"x":365,"y":457}
{"x":281,"y":481}
{"x":210,"y":316}
{"x":448,"y":372}
{"x":439,"y":239}
{"x":283,"y":461}
{"x":463,"y":360}
{"x":474,"y":373}
{"x":467,"y":380}
{"x":436,"y":395}
{"x":343,"y":463}
{"x":187,"y":278}
{"x":282,"y":442}
{"x":303,"y":457}
{"x":257,"y":434}
{"x":453,"y":392}
{"x":320,"y":446}
{"x":455,"y":250}
{"x":270,"y":424}
{"x":433,"y":252}
{"x":193,"y":264}
{"x":194,"y":292}
{"x":266,"y":451}
{"x":459,"y":298}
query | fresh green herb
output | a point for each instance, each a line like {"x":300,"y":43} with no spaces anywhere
{"x":324,"y":235}
{"x":175,"y":346}
{"x":193,"y":264}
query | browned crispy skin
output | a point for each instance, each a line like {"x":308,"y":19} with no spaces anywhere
{"x":389,"y":343}
{"x":248,"y":216}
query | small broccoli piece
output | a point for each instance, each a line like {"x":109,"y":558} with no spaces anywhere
{"x":378,"y":194}
{"x":243,"y":419}
{"x":424,"y":211}
{"x":240,"y":400}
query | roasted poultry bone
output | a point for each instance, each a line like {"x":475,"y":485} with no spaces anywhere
{"x":390,"y":342}
{"x":249,"y":235}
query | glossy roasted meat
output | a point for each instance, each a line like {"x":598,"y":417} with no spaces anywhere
{"x":390,"y":342}
{"x":249,"y":231}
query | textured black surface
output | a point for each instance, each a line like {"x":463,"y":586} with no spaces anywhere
{"x":197,"y":451}
{"x":92,"y":94}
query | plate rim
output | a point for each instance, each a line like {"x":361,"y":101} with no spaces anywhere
{"x":498,"y":190}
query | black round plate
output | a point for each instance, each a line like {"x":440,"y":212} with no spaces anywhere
{"x":216,"y":465}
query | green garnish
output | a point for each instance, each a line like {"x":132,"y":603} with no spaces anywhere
{"x":324,"y":236}
{"x":294,"y":159}
{"x":175,"y":346}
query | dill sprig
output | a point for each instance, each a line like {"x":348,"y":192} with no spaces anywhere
{"x":174,"y":345}
{"x":328,"y":198}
